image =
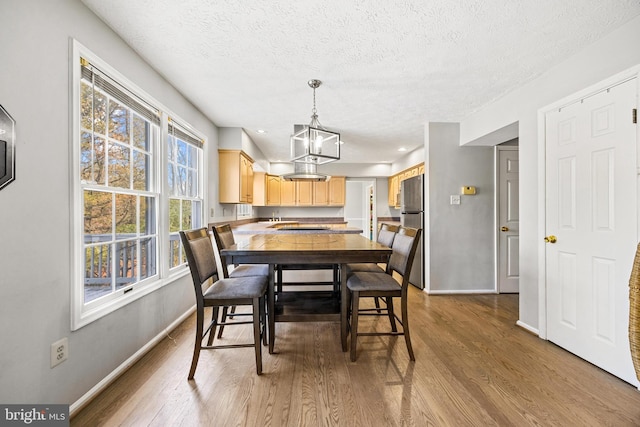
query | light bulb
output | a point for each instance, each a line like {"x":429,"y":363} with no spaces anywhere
{"x":318,"y":144}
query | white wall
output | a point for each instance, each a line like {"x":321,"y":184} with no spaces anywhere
{"x":234,"y":138}
{"x":35,"y":209}
{"x":606,"y":57}
{"x":410,"y":159}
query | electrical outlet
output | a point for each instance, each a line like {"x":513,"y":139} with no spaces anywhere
{"x":59,"y":352}
{"x":455,"y":199}
{"x":212,"y":213}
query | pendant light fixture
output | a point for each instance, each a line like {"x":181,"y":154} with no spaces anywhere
{"x":313,"y":144}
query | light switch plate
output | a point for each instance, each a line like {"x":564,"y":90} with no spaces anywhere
{"x":455,"y":199}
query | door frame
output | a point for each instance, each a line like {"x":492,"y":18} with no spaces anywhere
{"x":616,"y":79}
{"x":496,"y":198}
{"x":366,"y":183}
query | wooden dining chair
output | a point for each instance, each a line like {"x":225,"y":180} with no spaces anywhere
{"x":223,"y":236}
{"x":221,"y":292}
{"x":367,"y":284}
{"x":386,"y":234}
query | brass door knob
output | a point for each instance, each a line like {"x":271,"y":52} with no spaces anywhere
{"x":504,"y":229}
{"x":551,"y":239}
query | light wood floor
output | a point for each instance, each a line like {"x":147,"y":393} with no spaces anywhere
{"x":474,"y":367}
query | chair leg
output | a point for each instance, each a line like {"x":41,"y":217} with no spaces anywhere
{"x":223,"y":319}
{"x":279,"y":280}
{"x":256,"y":334}
{"x":376,"y":300}
{"x":214,"y":321}
{"x":392,"y":316}
{"x":263,"y":320}
{"x":232,"y":311}
{"x":198,"y":343}
{"x":355,"y":305}
{"x":405,"y":328}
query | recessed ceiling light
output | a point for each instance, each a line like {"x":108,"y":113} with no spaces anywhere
{"x":261,"y":131}
{"x":402,"y":149}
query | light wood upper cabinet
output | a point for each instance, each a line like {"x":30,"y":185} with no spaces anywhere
{"x":394,"y":189}
{"x":259,"y":190}
{"x":273,"y":183}
{"x":320,"y":193}
{"x":287,"y":193}
{"x":337,"y":190}
{"x":235,"y":169}
{"x":329,"y":193}
{"x":395,"y":180}
{"x":304,"y":193}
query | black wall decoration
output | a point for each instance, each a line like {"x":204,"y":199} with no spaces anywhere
{"x":7,"y":148}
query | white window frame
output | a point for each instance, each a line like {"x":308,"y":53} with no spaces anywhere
{"x":188,"y":135}
{"x":82,"y":314}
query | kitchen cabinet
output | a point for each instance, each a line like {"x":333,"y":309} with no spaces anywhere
{"x":287,"y":193}
{"x":273,"y":184}
{"x":279,"y":192}
{"x":329,"y":193}
{"x":304,"y":193}
{"x":321,"y":193}
{"x":259,"y":189}
{"x":395,"y":180}
{"x":337,"y":190}
{"x":235,"y":169}
{"x":394,"y":189}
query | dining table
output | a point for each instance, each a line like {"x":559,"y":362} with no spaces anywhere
{"x":307,"y":249}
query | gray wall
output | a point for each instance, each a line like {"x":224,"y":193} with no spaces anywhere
{"x":460,"y":238}
{"x":607,"y":56}
{"x":35,"y":230}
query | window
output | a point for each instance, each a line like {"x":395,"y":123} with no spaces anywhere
{"x":183,"y":180}
{"x":132,"y":194}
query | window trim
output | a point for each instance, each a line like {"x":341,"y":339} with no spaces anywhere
{"x":82,"y":314}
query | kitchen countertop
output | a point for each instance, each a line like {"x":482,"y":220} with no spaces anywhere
{"x":294,"y":227}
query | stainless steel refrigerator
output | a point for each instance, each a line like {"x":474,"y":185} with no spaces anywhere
{"x":412,"y":215}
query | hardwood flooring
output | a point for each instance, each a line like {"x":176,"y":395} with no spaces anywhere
{"x":474,"y":367}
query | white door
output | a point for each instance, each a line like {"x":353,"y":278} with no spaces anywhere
{"x":591,"y":226}
{"x":508,"y":221}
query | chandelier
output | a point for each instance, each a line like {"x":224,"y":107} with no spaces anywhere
{"x":313,"y":144}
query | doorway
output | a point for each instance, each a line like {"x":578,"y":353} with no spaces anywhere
{"x":360,"y":206}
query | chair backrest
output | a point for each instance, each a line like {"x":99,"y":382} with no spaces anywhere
{"x":223,"y":235}
{"x":201,"y":258}
{"x":404,"y":248}
{"x":386,"y":234}
{"x":224,"y":239}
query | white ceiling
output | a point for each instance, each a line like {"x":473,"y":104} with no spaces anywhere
{"x":387,"y":66}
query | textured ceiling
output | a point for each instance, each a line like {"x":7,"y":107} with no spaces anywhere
{"x":387,"y":66}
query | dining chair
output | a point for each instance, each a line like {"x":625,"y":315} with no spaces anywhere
{"x":221,"y":292}
{"x":223,"y":236}
{"x":386,"y":234}
{"x":370,"y":284}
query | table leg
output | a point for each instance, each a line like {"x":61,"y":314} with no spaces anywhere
{"x":271,"y":307}
{"x":344,"y":309}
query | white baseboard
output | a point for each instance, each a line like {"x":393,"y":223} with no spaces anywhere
{"x":461,"y":292}
{"x":98,"y":388}
{"x":528,"y":328}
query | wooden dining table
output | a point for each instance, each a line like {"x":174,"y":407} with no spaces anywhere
{"x":307,"y":250}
